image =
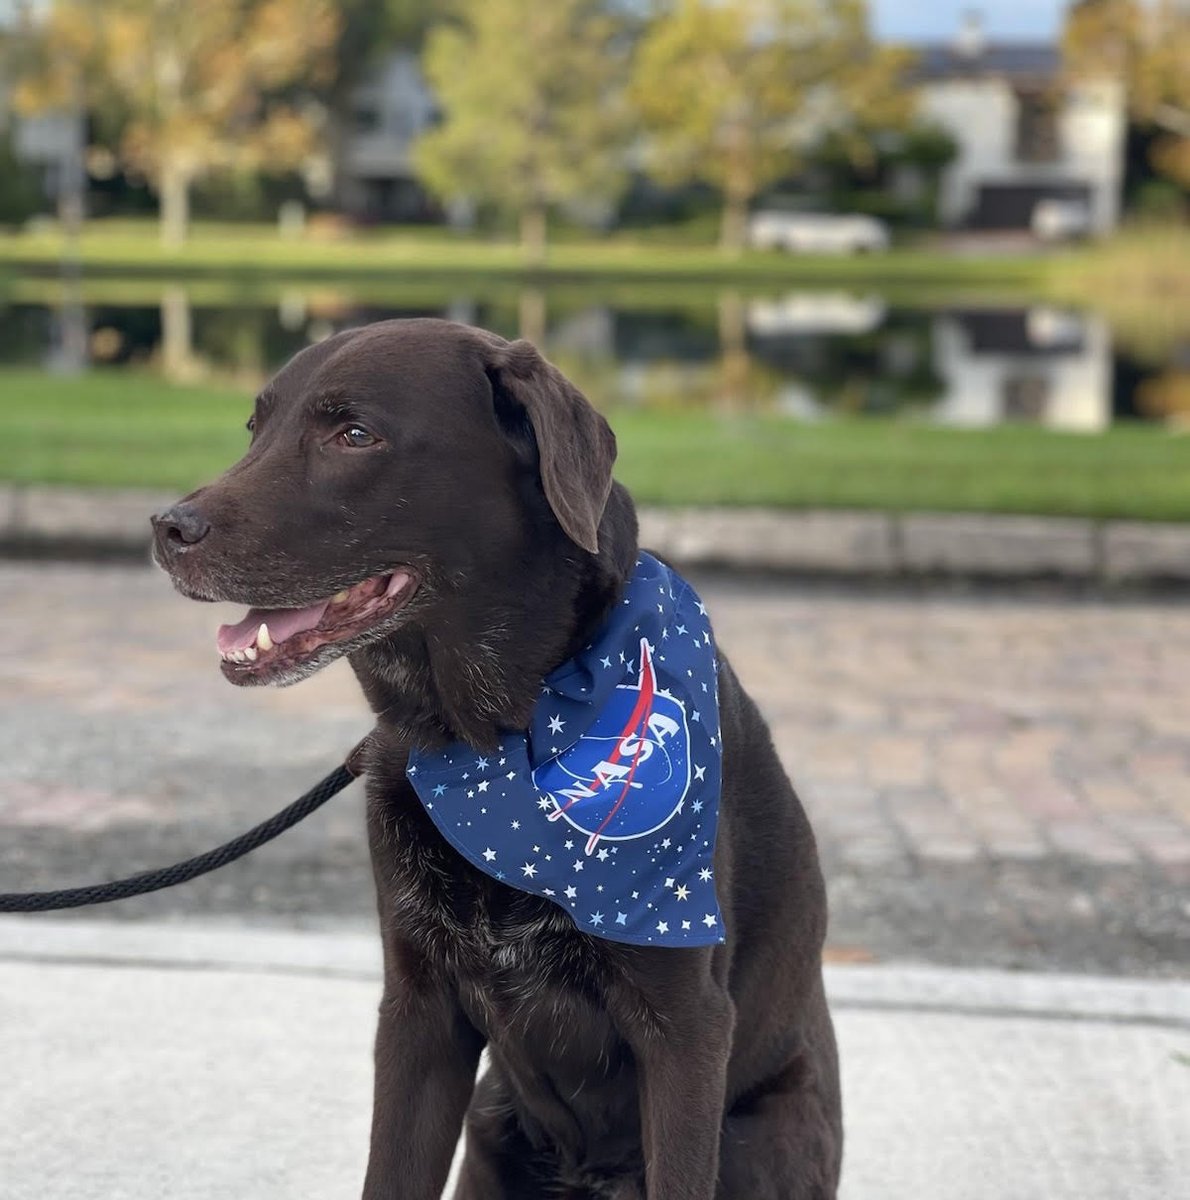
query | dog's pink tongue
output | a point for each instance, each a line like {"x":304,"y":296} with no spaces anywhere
{"x":282,"y":622}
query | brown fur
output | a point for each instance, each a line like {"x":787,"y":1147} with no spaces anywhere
{"x":617,"y":1072}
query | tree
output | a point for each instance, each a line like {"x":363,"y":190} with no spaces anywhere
{"x":193,"y":87}
{"x":20,"y":195}
{"x":732,"y":93}
{"x":531,"y":112}
{"x":1145,"y":45}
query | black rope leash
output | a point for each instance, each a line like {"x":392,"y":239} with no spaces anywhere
{"x":212,"y":860}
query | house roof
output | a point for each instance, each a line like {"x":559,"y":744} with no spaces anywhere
{"x":1021,"y":62}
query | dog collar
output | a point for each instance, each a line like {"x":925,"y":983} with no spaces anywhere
{"x":608,"y":804}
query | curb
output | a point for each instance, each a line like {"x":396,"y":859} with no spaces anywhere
{"x":59,"y":522}
{"x":353,"y":952}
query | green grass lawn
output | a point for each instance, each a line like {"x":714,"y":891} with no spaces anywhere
{"x":131,"y":429}
{"x":132,"y":247}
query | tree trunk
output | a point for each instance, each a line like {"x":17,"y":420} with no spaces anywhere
{"x":177,"y":352}
{"x":733,"y":225}
{"x":174,"y":200}
{"x":533,"y":234}
{"x":532,"y":314}
{"x":735,"y":363}
{"x":738,"y":187}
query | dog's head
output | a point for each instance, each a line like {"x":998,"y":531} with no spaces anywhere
{"x":427,"y":498}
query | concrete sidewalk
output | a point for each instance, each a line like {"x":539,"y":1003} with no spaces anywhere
{"x":148,"y":1061}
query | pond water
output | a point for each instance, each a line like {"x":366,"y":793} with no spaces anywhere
{"x":809,"y":354}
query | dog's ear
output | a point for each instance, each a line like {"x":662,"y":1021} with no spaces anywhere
{"x":575,"y":445}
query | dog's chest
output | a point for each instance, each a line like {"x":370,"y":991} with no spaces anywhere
{"x":522,"y":968}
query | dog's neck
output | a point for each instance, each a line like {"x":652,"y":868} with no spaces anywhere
{"x":477,"y":672}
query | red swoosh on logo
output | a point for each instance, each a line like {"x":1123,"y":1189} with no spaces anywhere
{"x":636,"y":723}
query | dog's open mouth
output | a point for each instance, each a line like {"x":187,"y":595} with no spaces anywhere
{"x":270,"y":639}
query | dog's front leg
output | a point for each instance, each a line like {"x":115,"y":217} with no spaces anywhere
{"x":679,"y":1024}
{"x":426,"y":1057}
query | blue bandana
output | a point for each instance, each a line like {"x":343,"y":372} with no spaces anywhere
{"x":608,"y":804}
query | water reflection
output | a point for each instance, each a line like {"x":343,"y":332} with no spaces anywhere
{"x":812,"y":355}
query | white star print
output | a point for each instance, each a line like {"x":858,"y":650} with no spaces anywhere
{"x":685,"y":924}
{"x":489,"y":854}
{"x":571,"y":892}
{"x":412,"y":770}
{"x":682,"y":892}
{"x":705,"y":874}
{"x":697,"y":805}
{"x":662,"y":927}
{"x":529,"y":869}
{"x":681,"y":629}
{"x":602,"y":855}
{"x":483,"y":786}
{"x":700,"y":772}
{"x":670,"y":882}
{"x":702,"y":608}
{"x":556,"y":723}
{"x":696,"y":715}
{"x":597,"y":918}
{"x":516,"y":824}
{"x":543,"y":803}
{"x":621,"y":918}
{"x":578,"y":864}
{"x":482,"y":764}
{"x":569,"y":844}
{"x":440,"y":789}
{"x":510,"y":775}
{"x":665,"y":845}
{"x":709,"y":920}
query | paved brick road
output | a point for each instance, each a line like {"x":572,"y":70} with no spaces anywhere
{"x":993,"y":780}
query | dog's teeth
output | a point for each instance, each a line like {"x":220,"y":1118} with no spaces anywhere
{"x":338,"y":597}
{"x":250,"y":654}
{"x":263,"y":641}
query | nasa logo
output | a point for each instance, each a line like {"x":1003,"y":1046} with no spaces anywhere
{"x":629,"y":773}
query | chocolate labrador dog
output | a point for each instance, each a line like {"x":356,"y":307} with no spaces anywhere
{"x":437,"y":505}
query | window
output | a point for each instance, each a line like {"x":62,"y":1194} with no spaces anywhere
{"x":1036,"y":127}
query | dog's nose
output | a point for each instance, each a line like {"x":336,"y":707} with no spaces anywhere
{"x":181,"y":526}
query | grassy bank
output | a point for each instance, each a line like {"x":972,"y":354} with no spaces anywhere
{"x":132,"y":248}
{"x":130,"y":429}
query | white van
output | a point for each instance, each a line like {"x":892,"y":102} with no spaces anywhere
{"x":817,"y":233}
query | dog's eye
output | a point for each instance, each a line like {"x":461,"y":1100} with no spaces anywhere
{"x":251,"y":425}
{"x":356,"y":436}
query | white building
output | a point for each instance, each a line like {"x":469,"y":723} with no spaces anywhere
{"x":1040,"y":365}
{"x":372,"y":151}
{"x":1023,"y":134}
